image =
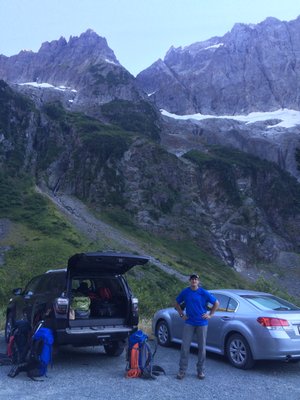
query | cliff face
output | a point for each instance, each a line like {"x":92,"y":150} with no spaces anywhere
{"x":217,"y":199}
{"x":251,"y":68}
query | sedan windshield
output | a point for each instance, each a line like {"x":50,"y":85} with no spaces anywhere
{"x":270,"y":303}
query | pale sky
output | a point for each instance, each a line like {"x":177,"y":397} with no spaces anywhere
{"x":138,"y":31}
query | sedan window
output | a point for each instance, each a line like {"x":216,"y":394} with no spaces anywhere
{"x":223,"y":300}
{"x":270,"y":303}
{"x":226,"y":303}
{"x":232,"y":305}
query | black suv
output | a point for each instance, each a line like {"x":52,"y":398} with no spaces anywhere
{"x":88,"y":303}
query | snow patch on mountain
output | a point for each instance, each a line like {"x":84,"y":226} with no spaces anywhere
{"x":288,"y":118}
{"x":45,"y":85}
{"x":214,"y":46}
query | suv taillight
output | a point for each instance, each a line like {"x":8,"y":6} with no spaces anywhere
{"x":272,"y":323}
{"x":135,"y":305}
{"x":61,"y":305}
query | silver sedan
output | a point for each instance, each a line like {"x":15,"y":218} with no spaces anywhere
{"x":247,"y":326}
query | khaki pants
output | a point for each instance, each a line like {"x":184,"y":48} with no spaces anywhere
{"x":200,"y":333}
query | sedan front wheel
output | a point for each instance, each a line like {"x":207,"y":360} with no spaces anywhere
{"x":163,"y":334}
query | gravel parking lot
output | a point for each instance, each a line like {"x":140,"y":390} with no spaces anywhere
{"x":87,"y":373}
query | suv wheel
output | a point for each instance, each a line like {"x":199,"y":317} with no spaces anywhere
{"x":114,"y":349}
{"x":8,"y":326}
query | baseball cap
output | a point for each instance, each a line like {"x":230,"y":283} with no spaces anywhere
{"x":194,"y":276}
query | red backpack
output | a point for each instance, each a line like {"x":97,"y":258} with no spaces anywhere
{"x":105,"y":293}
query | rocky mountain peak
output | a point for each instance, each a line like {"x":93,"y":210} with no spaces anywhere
{"x":92,"y":44}
{"x":53,"y":46}
{"x":82,"y":73}
{"x":271,"y":21}
{"x":89,"y":45}
{"x":251,"y":68}
{"x":91,"y":37}
{"x":240,"y":28}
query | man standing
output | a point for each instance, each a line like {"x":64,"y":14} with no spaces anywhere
{"x":196,"y":322}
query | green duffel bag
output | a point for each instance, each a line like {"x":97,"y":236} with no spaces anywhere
{"x":81,"y":303}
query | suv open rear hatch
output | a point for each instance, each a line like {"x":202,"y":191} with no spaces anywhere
{"x":104,"y":262}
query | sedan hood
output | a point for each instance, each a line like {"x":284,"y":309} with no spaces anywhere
{"x":106,"y":262}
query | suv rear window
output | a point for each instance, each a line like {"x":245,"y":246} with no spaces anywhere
{"x":270,"y":303}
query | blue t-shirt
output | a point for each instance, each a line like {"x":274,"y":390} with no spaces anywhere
{"x":196,"y":304}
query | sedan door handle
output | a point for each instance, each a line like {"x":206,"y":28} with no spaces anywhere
{"x":226,"y":318}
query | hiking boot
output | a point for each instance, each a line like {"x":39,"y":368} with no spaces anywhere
{"x":200,"y":375}
{"x":180,"y":375}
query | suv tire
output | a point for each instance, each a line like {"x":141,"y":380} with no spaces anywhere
{"x":114,"y":349}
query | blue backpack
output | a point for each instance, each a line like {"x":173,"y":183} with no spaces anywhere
{"x":41,"y":351}
{"x":140,"y":358}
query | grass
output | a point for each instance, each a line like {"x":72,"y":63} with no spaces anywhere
{"x":31,"y":252}
{"x":154,"y":288}
{"x":39,"y":237}
{"x":145,"y":326}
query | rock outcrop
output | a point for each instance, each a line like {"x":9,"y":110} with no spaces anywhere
{"x":251,"y":68}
